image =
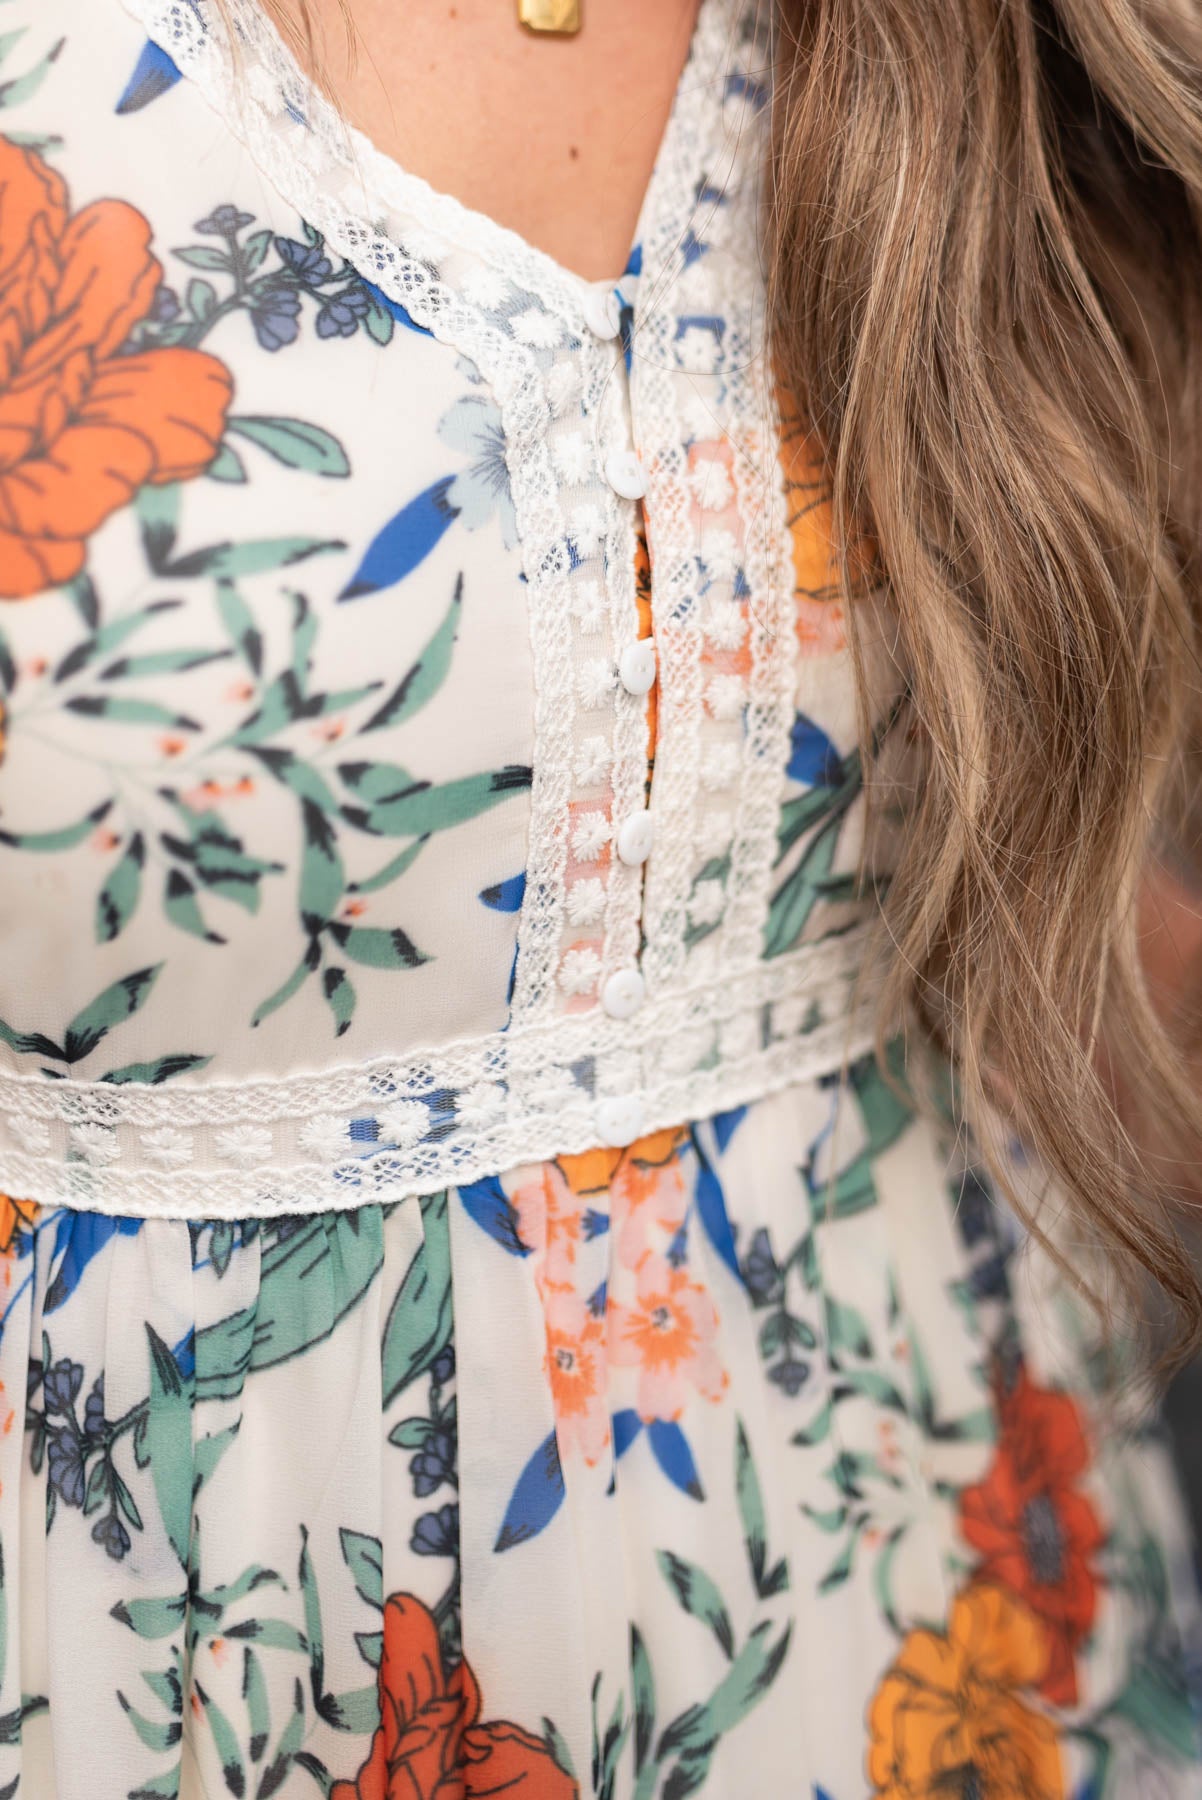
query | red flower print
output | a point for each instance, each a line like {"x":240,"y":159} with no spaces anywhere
{"x":668,"y":1336}
{"x":1035,"y":1531}
{"x":82,"y":426}
{"x":429,"y":1744}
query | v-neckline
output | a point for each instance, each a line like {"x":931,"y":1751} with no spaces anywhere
{"x":252,"y":66}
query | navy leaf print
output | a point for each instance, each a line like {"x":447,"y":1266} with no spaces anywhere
{"x":813,"y":759}
{"x":726,"y":1124}
{"x":488,"y":1204}
{"x":79,"y":1237}
{"x":536,"y":1498}
{"x":672,"y":1453}
{"x":711,"y":1209}
{"x":506,"y":896}
{"x":404,"y":542}
{"x":626,"y":1427}
{"x":154,"y":72}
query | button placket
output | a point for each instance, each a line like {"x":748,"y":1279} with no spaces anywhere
{"x":622,"y":994}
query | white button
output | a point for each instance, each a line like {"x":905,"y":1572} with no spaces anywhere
{"x":603,"y":311}
{"x":623,"y":994}
{"x":636,"y":666}
{"x":624,"y":473}
{"x":620,"y":1120}
{"x":635,"y":838}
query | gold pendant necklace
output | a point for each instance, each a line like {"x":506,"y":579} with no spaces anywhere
{"x":562,"y":16}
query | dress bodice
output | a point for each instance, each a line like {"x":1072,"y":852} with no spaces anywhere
{"x":429,"y":730}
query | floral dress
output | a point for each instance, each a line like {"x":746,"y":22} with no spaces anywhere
{"x":475,"y":1318}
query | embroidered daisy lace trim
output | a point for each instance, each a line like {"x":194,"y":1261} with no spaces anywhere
{"x":382,"y":1131}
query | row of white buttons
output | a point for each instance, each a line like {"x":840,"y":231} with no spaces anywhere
{"x":620,"y":1119}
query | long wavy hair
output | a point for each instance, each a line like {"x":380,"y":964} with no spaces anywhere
{"x":986,"y":286}
{"x":986,"y":294}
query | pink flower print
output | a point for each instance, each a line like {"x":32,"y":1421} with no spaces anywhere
{"x":644,"y":1194}
{"x":576,"y":1370}
{"x":668,"y":1335}
{"x":549,"y":1219}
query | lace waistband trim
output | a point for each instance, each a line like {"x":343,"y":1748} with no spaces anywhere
{"x":383,"y":1131}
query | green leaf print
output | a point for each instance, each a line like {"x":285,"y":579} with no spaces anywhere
{"x":428,"y":673}
{"x":226,"y":466}
{"x":157,"y":508}
{"x":181,"y":908}
{"x":698,"y":1595}
{"x":322,"y":878}
{"x":751,"y":1512}
{"x":163,"y":1068}
{"x":152,"y":1618}
{"x":800,"y":892}
{"x":364,"y":1558}
{"x":258,"y":1710}
{"x":751,"y":1675}
{"x":104,"y":638}
{"x":401,"y":807}
{"x":256,"y":557}
{"x":308,"y":962}
{"x":225,"y":1742}
{"x":23,"y":87}
{"x":238,"y":620}
{"x":130,"y":712}
{"x":313,"y":1628}
{"x":118,"y":898}
{"x":309,"y":1281}
{"x":294,"y":443}
{"x":112,"y":1007}
{"x":169,"y":1443}
{"x":377,"y":947}
{"x":421,"y":1319}
{"x":642,"y":1684}
{"x":156,"y":1734}
{"x":64,"y":839}
{"x":339,"y":995}
{"x":161,"y":662}
{"x":393,"y":869}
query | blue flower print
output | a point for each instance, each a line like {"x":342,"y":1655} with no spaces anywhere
{"x":473,"y":427}
{"x":64,"y":1465}
{"x":223,"y":221}
{"x":437,"y":1533}
{"x":62,"y":1384}
{"x":275,"y":315}
{"x":342,"y":313}
{"x":308,"y":262}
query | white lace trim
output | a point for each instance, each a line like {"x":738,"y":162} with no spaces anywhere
{"x":382,"y":1131}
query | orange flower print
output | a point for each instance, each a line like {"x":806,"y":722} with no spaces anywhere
{"x":429,"y":1744}
{"x":549,"y":1224}
{"x":819,"y":622}
{"x":82,"y":426}
{"x":576,"y":1370}
{"x":668,"y":1335}
{"x":644,"y":1186}
{"x":15,"y":1216}
{"x":1035,"y":1531}
{"x":949,"y":1719}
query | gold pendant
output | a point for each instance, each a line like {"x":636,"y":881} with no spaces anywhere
{"x":562,"y":16}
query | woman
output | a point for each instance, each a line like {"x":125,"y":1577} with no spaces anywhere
{"x":567,"y":731}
